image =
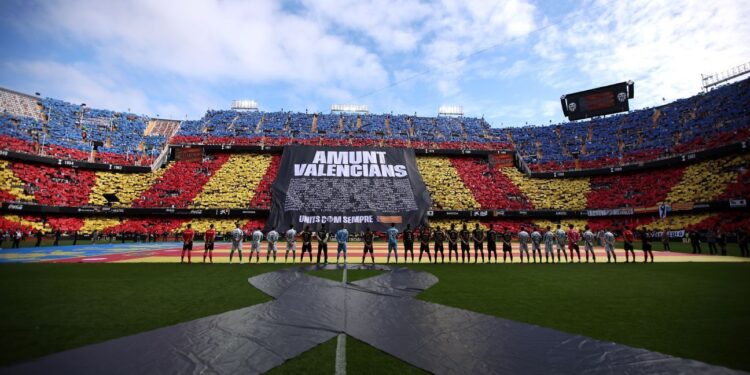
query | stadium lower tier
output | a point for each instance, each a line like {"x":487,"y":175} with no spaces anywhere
{"x":455,"y":183}
{"x":29,"y":225}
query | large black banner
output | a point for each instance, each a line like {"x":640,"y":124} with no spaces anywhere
{"x":349,"y":187}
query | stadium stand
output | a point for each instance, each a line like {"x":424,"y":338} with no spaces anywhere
{"x":560,"y":194}
{"x":12,"y":189}
{"x":127,"y":187}
{"x":704,"y":121}
{"x":262,"y":196}
{"x":18,"y":104}
{"x":641,"y":189}
{"x":235,"y":183}
{"x":181,"y":182}
{"x":456,"y":183}
{"x":55,"y":186}
{"x":703,"y":182}
{"x":61,"y":129}
{"x":65,"y":130}
{"x":444,"y":184}
{"x":491,"y":188}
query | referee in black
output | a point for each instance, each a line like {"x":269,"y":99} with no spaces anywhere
{"x":408,"y":242}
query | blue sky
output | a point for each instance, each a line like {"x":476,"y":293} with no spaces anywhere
{"x":508,"y":61}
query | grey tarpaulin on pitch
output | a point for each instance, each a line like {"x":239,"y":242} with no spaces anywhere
{"x":379,"y":311}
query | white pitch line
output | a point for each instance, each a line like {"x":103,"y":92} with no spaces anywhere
{"x":341,"y":340}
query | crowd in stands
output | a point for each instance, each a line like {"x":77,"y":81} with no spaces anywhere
{"x":454,"y":183}
{"x":551,"y":193}
{"x":181,"y":183}
{"x":445,"y":186}
{"x":65,"y":130}
{"x":235,"y":183}
{"x":281,"y":128}
{"x":704,"y":121}
{"x":126,"y":187}
{"x":61,"y":129}
{"x":707,"y":180}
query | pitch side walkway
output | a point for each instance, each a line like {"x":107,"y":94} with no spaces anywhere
{"x":169,"y":252}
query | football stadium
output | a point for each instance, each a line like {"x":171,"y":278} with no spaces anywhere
{"x":239,"y":238}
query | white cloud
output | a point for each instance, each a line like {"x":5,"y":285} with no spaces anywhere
{"x":78,"y":84}
{"x":253,"y":42}
{"x":662,"y":45}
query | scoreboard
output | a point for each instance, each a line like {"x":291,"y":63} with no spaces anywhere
{"x":599,"y":101}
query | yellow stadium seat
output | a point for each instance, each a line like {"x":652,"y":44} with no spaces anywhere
{"x":703,"y":182}
{"x":127,"y":186}
{"x":445,"y":185}
{"x":233,"y":186}
{"x":551,"y":193}
{"x":11,"y":183}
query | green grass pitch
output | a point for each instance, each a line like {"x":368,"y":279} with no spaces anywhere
{"x":692,"y":310}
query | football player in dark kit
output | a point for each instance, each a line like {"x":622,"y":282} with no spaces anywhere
{"x":424,"y":243}
{"x":465,"y":251}
{"x":368,"y":237}
{"x":306,"y":244}
{"x":491,"y":243}
{"x":408,"y":242}
{"x":439,"y":237}
{"x":507,"y":238}
{"x":452,"y":242}
{"x":478,"y":236}
{"x":646,"y":246}
{"x":323,"y":236}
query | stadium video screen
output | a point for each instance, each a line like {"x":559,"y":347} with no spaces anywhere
{"x":597,"y":102}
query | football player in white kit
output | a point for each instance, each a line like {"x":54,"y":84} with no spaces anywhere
{"x":549,"y":239}
{"x":536,"y":241}
{"x":609,"y":244}
{"x":588,"y":243}
{"x":562,"y":238}
{"x":291,"y":236}
{"x":237,"y":236}
{"x":272,"y":237}
{"x":523,"y":241}
{"x":255,"y":240}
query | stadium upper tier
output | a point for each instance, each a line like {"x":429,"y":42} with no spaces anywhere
{"x":71,"y":131}
{"x":61,"y":129}
{"x":704,"y":121}
{"x":455,"y":183}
